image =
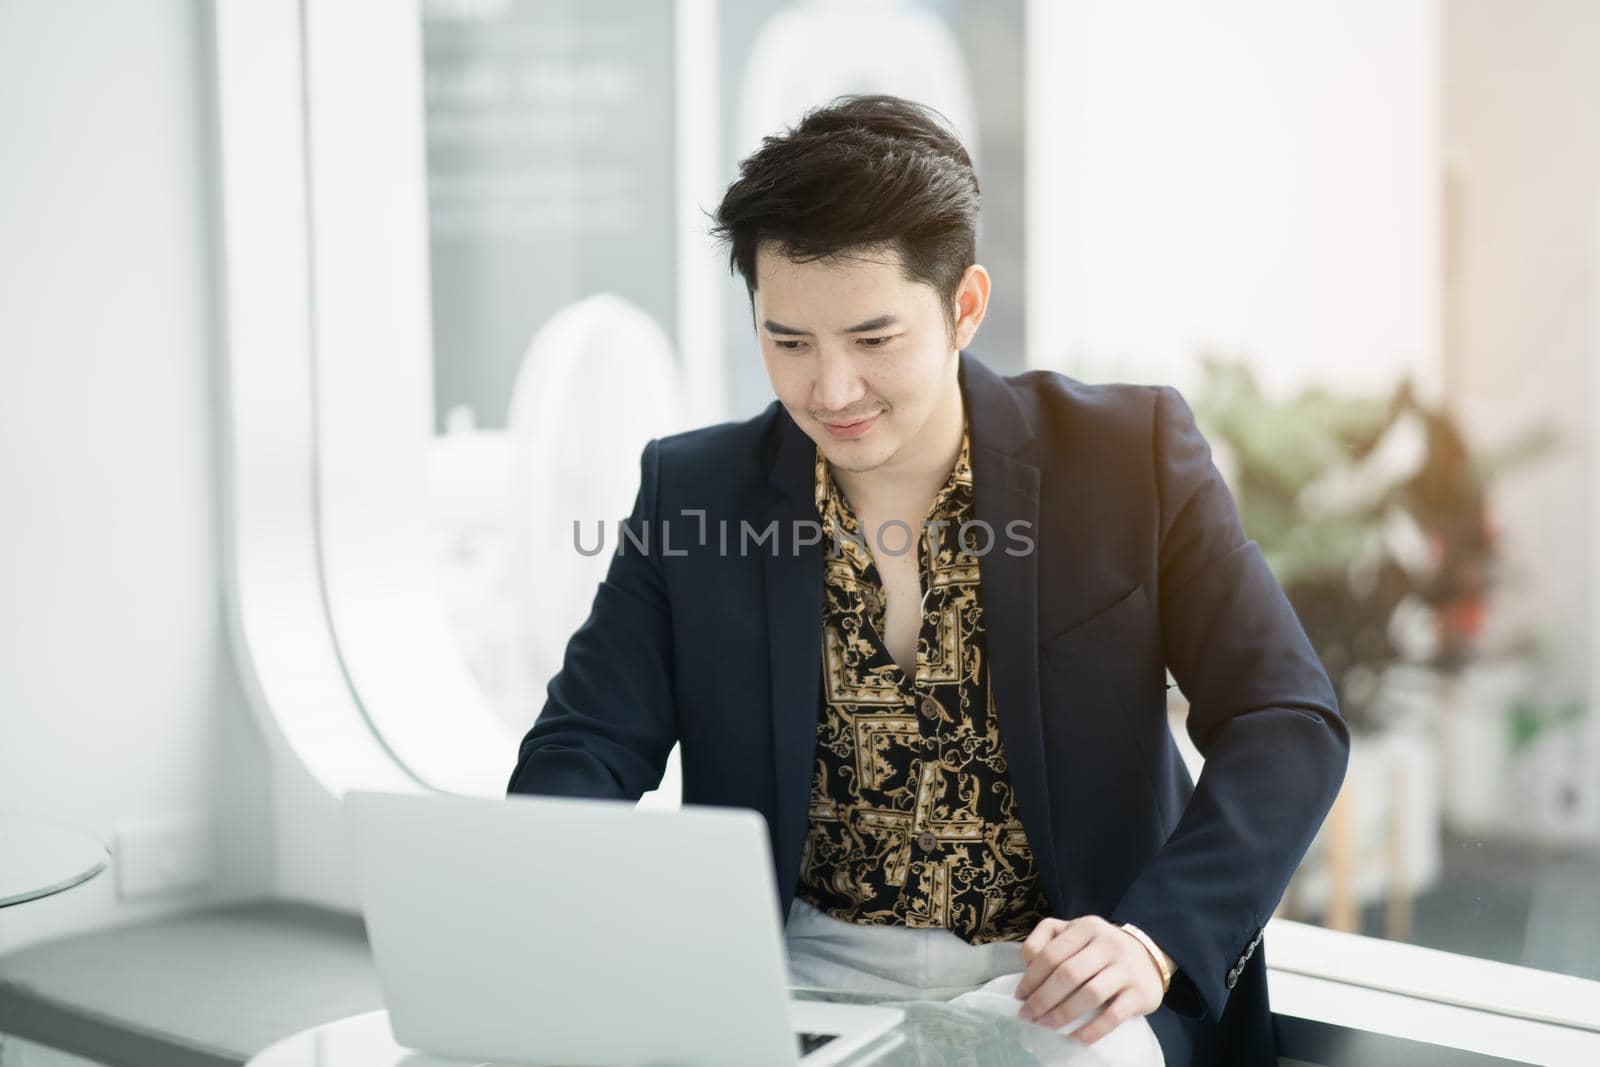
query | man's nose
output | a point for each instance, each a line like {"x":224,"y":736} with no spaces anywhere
{"x":837,"y":384}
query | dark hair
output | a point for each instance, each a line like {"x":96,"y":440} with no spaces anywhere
{"x":862,"y":171}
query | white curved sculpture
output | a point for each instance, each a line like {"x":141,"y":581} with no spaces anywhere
{"x":598,"y":381}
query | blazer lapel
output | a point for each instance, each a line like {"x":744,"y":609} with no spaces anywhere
{"x":1006,"y":490}
{"x":794,"y":644}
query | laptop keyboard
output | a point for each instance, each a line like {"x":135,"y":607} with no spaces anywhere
{"x":809,"y":1043}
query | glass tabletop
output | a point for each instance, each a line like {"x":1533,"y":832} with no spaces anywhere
{"x":39,"y":857}
{"x":936,"y":1034}
{"x":933,"y":1034}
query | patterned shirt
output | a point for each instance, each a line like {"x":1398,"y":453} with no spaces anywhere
{"x":912,"y":818}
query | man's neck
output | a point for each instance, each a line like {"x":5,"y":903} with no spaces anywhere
{"x":904,"y":487}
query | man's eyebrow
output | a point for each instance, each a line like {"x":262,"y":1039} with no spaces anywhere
{"x":861,"y":327}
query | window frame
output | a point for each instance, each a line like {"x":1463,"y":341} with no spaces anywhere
{"x":321,"y":177}
{"x":288,"y":660}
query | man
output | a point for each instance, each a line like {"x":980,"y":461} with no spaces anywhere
{"x":920,"y":617}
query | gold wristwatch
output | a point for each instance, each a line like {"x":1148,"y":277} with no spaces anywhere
{"x":1155,"y":954}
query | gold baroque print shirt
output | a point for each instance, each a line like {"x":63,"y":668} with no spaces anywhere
{"x":912,"y":819}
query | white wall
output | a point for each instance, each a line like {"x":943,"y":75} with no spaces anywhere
{"x":118,"y":700}
{"x":1522,"y":151}
{"x":1250,"y":176}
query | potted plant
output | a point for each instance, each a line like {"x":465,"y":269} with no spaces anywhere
{"x":1373,"y":514}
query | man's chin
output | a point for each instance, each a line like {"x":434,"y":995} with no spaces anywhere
{"x":855,"y":457}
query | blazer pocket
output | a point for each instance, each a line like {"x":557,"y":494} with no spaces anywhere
{"x":1086,"y":634}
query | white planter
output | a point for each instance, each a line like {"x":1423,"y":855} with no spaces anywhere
{"x":1475,"y":744}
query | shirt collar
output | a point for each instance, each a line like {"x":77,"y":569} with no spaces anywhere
{"x":952,"y":501}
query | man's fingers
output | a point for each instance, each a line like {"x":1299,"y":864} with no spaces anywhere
{"x":1040,"y":937}
{"x":1080,"y":985}
{"x":1116,"y":1012}
{"x":1069,"y":960}
{"x":1060,"y":948}
{"x":1087,"y":971}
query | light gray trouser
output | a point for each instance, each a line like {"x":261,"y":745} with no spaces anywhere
{"x":934,"y":964}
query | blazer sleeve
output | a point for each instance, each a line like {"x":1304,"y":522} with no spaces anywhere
{"x":1262,"y":712}
{"x":608,"y":725}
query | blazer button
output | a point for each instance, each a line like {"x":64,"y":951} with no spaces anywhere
{"x":926,"y":841}
{"x":930,"y":707}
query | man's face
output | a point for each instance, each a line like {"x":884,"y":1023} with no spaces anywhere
{"x":860,"y":356}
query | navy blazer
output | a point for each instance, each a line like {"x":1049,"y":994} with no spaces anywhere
{"x":712,"y":638}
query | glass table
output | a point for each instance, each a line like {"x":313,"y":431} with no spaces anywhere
{"x":933,"y":1034}
{"x":39,"y":857}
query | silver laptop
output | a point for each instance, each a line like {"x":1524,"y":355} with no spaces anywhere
{"x":557,"y":930}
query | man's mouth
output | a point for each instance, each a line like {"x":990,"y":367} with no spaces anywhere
{"x":850,"y":429}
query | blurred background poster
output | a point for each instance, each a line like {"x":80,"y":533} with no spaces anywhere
{"x":551,"y":136}
{"x":962,"y":57}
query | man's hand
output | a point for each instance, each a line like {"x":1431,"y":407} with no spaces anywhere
{"x":1075,"y":966}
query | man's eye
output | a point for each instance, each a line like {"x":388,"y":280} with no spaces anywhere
{"x":874,"y":342}
{"x":789,"y":346}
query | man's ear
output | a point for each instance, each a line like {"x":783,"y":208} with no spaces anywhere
{"x":971,"y":303}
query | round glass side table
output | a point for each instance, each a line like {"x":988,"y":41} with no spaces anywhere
{"x":39,"y":857}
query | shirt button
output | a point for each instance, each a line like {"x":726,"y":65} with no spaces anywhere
{"x":926,"y":841}
{"x":930,"y":707}
{"x":869,"y":602}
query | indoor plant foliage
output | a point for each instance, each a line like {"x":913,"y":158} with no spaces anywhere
{"x":1372,"y":513}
